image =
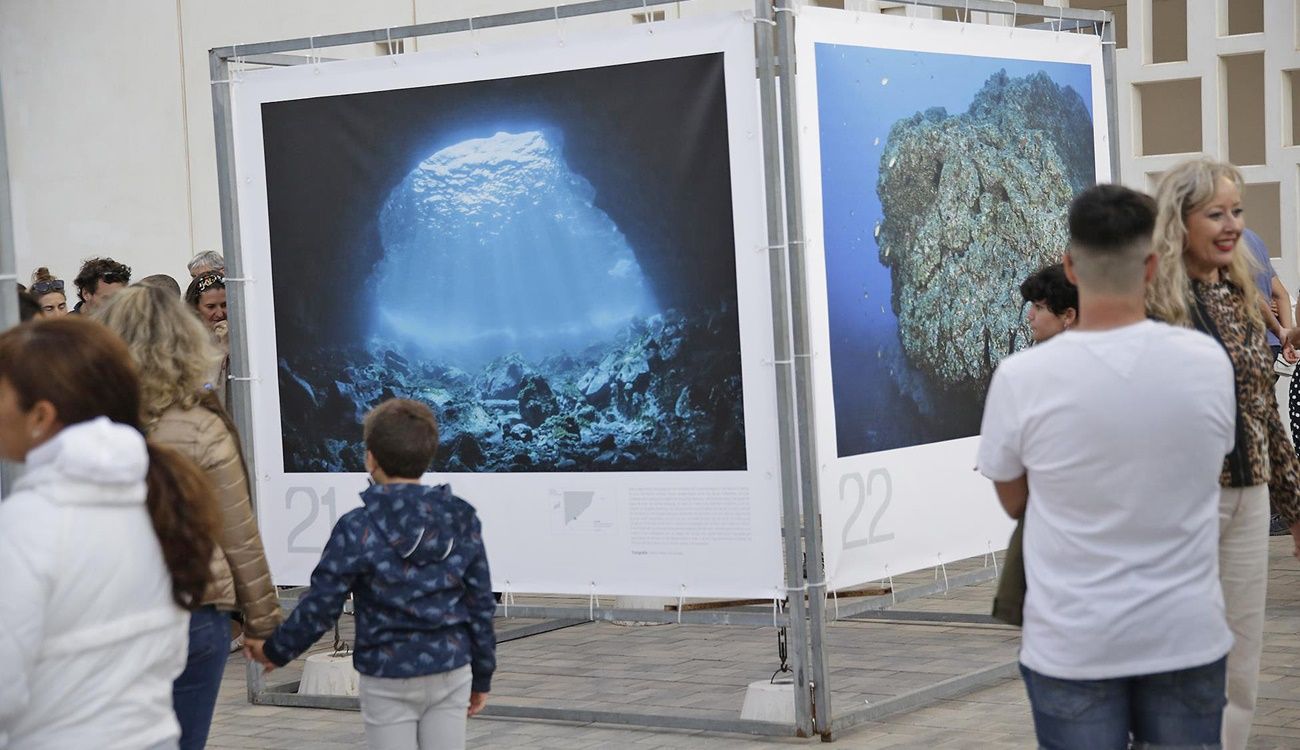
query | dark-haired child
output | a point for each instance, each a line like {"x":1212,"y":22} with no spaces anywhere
{"x":413,"y":558}
{"x":1053,"y":302}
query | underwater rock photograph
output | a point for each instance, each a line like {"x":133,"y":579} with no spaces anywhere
{"x":547,"y":261}
{"x":945,"y":182}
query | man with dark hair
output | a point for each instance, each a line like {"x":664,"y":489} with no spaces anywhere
{"x":414,"y":558}
{"x":1109,"y":442}
{"x":1053,"y":302}
{"x":99,"y":279}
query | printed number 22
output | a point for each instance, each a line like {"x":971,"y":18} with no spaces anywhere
{"x":313,"y":511}
{"x":864,"y":491}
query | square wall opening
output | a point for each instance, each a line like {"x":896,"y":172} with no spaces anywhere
{"x":1243,"y":83}
{"x":1168,"y":30}
{"x":1263,"y":204}
{"x":1170,"y":116}
{"x":1245,"y":16}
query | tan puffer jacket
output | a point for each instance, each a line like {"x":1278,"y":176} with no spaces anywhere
{"x":241,"y":578}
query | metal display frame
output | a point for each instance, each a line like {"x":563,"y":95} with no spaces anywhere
{"x":805,"y":616}
{"x":9,"y":316}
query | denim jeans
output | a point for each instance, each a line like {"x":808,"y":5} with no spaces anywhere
{"x":194,"y":693}
{"x":1181,"y":709}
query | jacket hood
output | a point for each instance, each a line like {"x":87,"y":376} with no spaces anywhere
{"x":418,"y":521}
{"x":97,"y":462}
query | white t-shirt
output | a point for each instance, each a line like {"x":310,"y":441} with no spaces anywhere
{"x":1122,"y":434}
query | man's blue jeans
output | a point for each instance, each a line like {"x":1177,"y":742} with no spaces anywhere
{"x":1182,"y":709}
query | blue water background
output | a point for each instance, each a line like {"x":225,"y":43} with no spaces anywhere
{"x":861,"y":93}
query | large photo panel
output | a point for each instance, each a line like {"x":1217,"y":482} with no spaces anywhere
{"x":939,"y":163}
{"x":552,"y":245}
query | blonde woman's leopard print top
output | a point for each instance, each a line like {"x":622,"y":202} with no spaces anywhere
{"x":1263,"y":452}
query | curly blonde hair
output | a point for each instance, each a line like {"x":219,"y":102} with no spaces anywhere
{"x":1184,"y":189}
{"x":171,"y":348}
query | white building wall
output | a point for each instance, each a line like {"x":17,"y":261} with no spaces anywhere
{"x":109,"y":116}
{"x":109,"y":120}
{"x":93,"y":118}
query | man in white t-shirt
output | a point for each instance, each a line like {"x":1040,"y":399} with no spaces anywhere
{"x":1110,"y":437}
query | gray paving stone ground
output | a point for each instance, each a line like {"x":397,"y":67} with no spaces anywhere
{"x":702,"y":671}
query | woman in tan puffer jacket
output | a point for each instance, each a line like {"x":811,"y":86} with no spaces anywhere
{"x":172,"y":350}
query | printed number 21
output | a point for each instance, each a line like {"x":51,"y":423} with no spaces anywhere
{"x":864,"y":491}
{"x":313,"y":510}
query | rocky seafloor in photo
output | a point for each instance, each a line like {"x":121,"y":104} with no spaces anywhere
{"x":973,"y":203}
{"x":663,"y":395}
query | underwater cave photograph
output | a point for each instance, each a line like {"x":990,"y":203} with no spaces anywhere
{"x":945,"y":182}
{"x":547,"y":261}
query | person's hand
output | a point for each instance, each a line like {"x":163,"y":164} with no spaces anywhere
{"x":477,"y":701}
{"x":1273,"y":308}
{"x":1290,"y":336}
{"x":1290,"y":354}
{"x":253,"y":651}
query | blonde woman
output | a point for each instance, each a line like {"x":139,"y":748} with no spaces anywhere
{"x":1205,"y":281}
{"x":172,"y":350}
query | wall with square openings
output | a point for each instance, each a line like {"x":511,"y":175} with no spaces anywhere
{"x":1224,"y":74}
{"x":1219,"y":77}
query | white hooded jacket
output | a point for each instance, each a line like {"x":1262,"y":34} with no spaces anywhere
{"x":90,"y":639}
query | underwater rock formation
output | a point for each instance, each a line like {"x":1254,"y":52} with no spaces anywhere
{"x":662,"y":395}
{"x":973,"y":203}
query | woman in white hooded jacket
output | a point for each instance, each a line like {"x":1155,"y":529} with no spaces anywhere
{"x":104,"y":544}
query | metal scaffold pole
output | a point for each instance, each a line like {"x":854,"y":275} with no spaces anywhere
{"x":1112,"y":93}
{"x":8,"y":267}
{"x":778,"y":262}
{"x":241,"y":397}
{"x":813,"y":563}
{"x":8,"y":261}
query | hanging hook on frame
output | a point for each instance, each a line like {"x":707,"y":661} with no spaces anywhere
{"x":1015,"y":13}
{"x":782,"y":653}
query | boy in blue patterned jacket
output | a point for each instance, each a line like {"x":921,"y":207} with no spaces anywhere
{"x":413,"y":558}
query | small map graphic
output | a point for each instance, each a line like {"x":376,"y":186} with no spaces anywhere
{"x":575,"y":504}
{"x":580,"y":510}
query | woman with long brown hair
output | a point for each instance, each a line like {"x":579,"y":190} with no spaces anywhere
{"x":1205,"y":280}
{"x":103,"y":546}
{"x":179,"y":409}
